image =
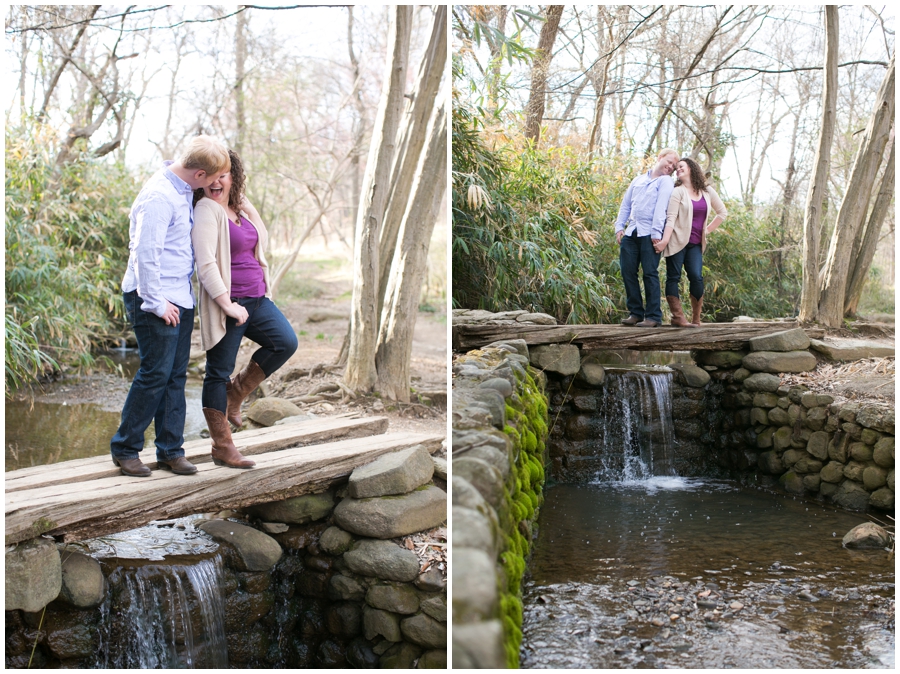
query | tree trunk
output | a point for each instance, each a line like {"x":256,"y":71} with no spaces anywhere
{"x":864,"y":247}
{"x":534,"y":110}
{"x":855,"y":203}
{"x":359,"y":124}
{"x":408,"y":269}
{"x":360,"y":374}
{"x":240,"y":58}
{"x":409,"y":146}
{"x":812,"y":218}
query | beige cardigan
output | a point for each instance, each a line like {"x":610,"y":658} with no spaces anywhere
{"x":212,"y":252}
{"x":680,"y":214}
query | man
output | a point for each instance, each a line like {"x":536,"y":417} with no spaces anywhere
{"x":640,"y":225}
{"x":159,"y":302}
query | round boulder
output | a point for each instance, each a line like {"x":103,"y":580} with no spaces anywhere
{"x":255,"y":550}
{"x":866,"y":535}
{"x":775,"y":362}
{"x":33,"y":575}
{"x":83,"y":582}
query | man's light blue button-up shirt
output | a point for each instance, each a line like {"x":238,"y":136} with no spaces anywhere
{"x":644,"y":206}
{"x":161,"y":256}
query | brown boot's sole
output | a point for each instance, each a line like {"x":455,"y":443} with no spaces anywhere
{"x":220,"y":462}
{"x":166,"y":466}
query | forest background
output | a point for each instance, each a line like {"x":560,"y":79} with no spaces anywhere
{"x":97,"y":96}
{"x":556,"y":108}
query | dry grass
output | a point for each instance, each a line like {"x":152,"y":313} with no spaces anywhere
{"x":830,"y":377}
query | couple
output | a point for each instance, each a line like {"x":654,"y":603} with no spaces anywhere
{"x":659,"y":217}
{"x":196,"y":207}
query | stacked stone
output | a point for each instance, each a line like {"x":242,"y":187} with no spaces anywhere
{"x":325,"y":578}
{"x":482,"y":317}
{"x":487,"y":384}
{"x":842,"y":453}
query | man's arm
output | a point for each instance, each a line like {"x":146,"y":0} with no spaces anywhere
{"x":666,"y":187}
{"x":152,"y":220}
{"x":624,"y":213}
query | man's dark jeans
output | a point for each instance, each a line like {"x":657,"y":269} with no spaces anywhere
{"x":266,"y":326}
{"x":633,"y":251}
{"x":691,"y":258}
{"x":157,"y":392}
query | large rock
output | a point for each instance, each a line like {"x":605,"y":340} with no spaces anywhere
{"x":883,"y":499}
{"x":424,"y":631}
{"x":33,"y":575}
{"x":436,"y":659}
{"x":266,"y":411}
{"x":396,"y":598}
{"x":436,"y":607}
{"x":561,"y":358}
{"x":536,"y":319}
{"x":483,"y":476}
{"x":381,"y":623}
{"x":468,"y":403}
{"x":762,"y":382}
{"x":851,"y":495}
{"x":592,"y":371}
{"x":395,"y":473}
{"x":883,"y":453}
{"x":519,"y":346}
{"x":255,"y":550}
{"x":691,"y":375}
{"x":852,"y":349}
{"x":770,"y":463}
{"x":479,"y":646}
{"x":792,"y":483}
{"x":382,"y":559}
{"x":297,"y":510}
{"x":472,"y":529}
{"x":393,"y":516}
{"x":335,"y":541}
{"x":775,"y":361}
{"x":83,"y":582}
{"x":72,"y":634}
{"x":788,"y":340}
{"x":866,"y":535}
{"x":833,"y":472}
{"x":474,"y":586}
{"x":874,"y":477}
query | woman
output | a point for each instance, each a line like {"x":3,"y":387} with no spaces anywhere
{"x":229,"y":242}
{"x":684,"y":239}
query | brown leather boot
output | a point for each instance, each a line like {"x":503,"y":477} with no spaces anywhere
{"x":132,"y":467}
{"x":179,"y":466}
{"x":242,"y":385}
{"x":631,"y":320}
{"x":678,"y":318}
{"x":696,"y":310}
{"x":224,"y":453}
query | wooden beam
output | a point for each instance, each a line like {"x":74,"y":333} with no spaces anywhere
{"x":249,"y":443}
{"x":708,"y":337}
{"x":80,"y":510}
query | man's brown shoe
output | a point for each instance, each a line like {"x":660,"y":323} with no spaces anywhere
{"x":179,"y":466}
{"x":132,"y":467}
{"x":647,"y":323}
{"x":631,"y":320}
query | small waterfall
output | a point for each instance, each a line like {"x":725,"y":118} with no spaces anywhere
{"x":635,"y":439}
{"x":165,"y":617}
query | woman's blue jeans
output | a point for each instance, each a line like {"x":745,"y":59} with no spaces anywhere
{"x":691,"y":258}
{"x":266,"y":326}
{"x":157,"y":392}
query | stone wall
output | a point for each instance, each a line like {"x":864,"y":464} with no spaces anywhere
{"x":499,"y":432}
{"x":312,"y":581}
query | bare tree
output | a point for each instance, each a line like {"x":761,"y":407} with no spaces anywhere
{"x":855,"y":203}
{"x":866,"y":242}
{"x":534,"y":109}
{"x":360,"y":374}
{"x":812,"y":218}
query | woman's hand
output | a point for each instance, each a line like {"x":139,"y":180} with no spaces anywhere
{"x":660,"y":245}
{"x":237,"y":312}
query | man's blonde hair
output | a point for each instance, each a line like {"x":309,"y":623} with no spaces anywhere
{"x":205,"y":153}
{"x":664,"y":152}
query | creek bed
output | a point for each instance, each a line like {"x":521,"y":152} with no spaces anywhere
{"x":677,"y":572}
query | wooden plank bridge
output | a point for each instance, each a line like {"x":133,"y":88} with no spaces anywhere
{"x":708,"y":337}
{"x":86,"y":498}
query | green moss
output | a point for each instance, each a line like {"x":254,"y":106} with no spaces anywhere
{"x":526,"y":427}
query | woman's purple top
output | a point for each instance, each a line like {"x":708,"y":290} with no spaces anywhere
{"x":698,"y":221}
{"x":247,"y":278}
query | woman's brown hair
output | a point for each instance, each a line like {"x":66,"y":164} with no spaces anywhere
{"x":698,"y":180}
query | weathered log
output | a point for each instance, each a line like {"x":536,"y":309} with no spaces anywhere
{"x":249,"y":443}
{"x":80,"y":510}
{"x":708,"y":337}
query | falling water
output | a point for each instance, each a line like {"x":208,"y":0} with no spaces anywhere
{"x":635,"y":440}
{"x":165,"y":616}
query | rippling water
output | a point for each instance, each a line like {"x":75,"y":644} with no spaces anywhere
{"x":615,"y":561}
